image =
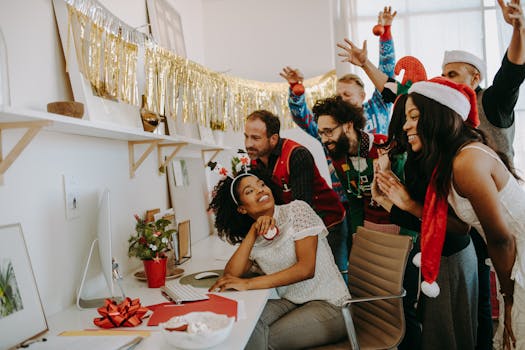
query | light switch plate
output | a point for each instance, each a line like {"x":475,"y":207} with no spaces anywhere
{"x":71,"y":197}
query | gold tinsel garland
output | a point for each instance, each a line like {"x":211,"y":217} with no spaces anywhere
{"x":107,"y":52}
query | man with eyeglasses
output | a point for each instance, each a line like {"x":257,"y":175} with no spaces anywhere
{"x":351,"y":152}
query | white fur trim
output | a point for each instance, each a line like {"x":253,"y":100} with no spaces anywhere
{"x":455,"y":56}
{"x":416,"y":260}
{"x":446,"y":95}
{"x":431,"y":290}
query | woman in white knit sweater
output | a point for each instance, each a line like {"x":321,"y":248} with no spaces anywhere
{"x":289,"y":245}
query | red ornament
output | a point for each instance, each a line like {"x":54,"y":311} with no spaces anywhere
{"x":298,"y":89}
{"x":378,"y":30}
{"x":271,"y":233}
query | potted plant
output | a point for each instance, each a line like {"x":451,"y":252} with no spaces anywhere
{"x":150,"y":243}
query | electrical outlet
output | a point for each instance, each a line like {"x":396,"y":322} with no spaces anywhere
{"x":71,"y":197}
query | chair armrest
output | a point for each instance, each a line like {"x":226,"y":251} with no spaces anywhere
{"x":373,"y":298}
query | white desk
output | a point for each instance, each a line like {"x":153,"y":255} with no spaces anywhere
{"x":208,"y":254}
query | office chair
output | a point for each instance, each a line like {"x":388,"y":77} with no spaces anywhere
{"x":374,"y":315}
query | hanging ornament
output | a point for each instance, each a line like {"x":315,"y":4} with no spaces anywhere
{"x":378,"y":30}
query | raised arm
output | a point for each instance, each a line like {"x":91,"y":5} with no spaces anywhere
{"x":387,"y":56}
{"x":513,"y":15}
{"x":301,"y":114}
{"x":359,"y":57}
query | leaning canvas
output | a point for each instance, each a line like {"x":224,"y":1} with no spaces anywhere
{"x":21,"y":313}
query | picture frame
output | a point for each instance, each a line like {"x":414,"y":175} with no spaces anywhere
{"x":184,"y":241}
{"x":166,"y":26}
{"x":206,"y":135}
{"x":4,"y":77}
{"x":97,"y":109}
{"x":21,"y":313}
{"x":180,"y":172}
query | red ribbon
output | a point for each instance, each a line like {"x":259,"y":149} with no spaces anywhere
{"x":128,"y":313}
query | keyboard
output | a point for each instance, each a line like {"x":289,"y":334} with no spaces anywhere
{"x":182,"y":292}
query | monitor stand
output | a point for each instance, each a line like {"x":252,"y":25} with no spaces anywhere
{"x":99,"y":302}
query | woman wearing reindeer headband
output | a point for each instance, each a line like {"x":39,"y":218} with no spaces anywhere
{"x":288,"y":243}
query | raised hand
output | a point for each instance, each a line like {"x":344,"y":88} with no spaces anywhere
{"x":291,"y":75}
{"x":512,"y":13}
{"x":386,"y":17}
{"x":352,"y":54}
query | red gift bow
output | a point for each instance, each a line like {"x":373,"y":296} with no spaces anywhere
{"x":128,"y":313}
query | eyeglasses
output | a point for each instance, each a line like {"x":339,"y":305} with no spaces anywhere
{"x":328,"y":132}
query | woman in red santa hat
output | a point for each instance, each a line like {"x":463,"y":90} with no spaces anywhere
{"x":480,"y":186}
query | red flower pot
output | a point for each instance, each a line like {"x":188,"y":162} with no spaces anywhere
{"x":155,"y":270}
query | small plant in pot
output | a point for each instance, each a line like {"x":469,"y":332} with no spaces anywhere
{"x":150,"y":243}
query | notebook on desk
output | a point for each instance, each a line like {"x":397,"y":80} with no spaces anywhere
{"x":218,"y":304}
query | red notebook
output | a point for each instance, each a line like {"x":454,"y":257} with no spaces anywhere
{"x":220,"y":305}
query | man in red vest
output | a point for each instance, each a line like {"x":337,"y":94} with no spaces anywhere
{"x":292,"y":167}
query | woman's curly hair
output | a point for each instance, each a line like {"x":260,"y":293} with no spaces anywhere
{"x":231,"y":225}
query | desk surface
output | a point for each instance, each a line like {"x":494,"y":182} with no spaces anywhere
{"x":210,"y":253}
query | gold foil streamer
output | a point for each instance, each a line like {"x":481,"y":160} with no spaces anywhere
{"x":174,"y":85}
{"x":112,"y":53}
{"x":150,"y":90}
{"x":94,"y":58}
{"x":78,"y":26}
{"x":163,"y":69}
{"x":128,"y":89}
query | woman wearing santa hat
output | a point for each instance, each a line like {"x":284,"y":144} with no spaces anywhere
{"x":448,"y":320}
{"x":480,"y":186}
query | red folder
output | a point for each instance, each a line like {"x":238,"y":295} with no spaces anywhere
{"x":220,"y":305}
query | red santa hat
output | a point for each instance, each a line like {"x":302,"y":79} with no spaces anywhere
{"x":461,"y":99}
{"x":458,"y":97}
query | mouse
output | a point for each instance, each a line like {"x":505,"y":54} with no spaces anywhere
{"x":206,"y":274}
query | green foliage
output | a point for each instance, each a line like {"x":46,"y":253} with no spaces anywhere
{"x":10,"y":299}
{"x":151,"y":239}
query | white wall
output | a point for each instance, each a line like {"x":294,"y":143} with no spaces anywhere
{"x":32,"y":193}
{"x":256,"y":39}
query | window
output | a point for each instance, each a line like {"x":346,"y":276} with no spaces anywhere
{"x":425,"y":29}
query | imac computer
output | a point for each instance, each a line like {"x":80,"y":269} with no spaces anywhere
{"x":108,"y":265}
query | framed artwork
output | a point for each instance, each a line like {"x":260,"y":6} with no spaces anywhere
{"x":4,"y":78}
{"x":180,"y":172}
{"x":21,"y":313}
{"x":206,"y":135}
{"x":97,"y":108}
{"x":166,"y":26}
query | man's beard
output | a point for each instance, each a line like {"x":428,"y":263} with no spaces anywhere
{"x":342,"y":147}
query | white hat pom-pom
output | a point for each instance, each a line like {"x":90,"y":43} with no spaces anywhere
{"x":431,"y":290}
{"x":416,"y":260}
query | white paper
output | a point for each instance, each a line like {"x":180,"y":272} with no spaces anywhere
{"x":110,"y":342}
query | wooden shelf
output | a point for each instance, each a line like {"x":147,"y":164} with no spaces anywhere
{"x":35,"y":121}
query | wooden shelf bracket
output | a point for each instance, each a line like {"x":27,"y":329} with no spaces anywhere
{"x":133,"y":166}
{"x":33,"y":128}
{"x":215,"y":151}
{"x":163,"y":163}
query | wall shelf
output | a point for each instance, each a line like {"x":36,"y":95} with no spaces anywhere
{"x":35,"y":121}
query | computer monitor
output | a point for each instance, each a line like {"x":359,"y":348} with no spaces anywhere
{"x":108,"y":265}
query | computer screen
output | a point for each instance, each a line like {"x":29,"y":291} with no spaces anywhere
{"x":104,"y":238}
{"x":107,"y":267}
